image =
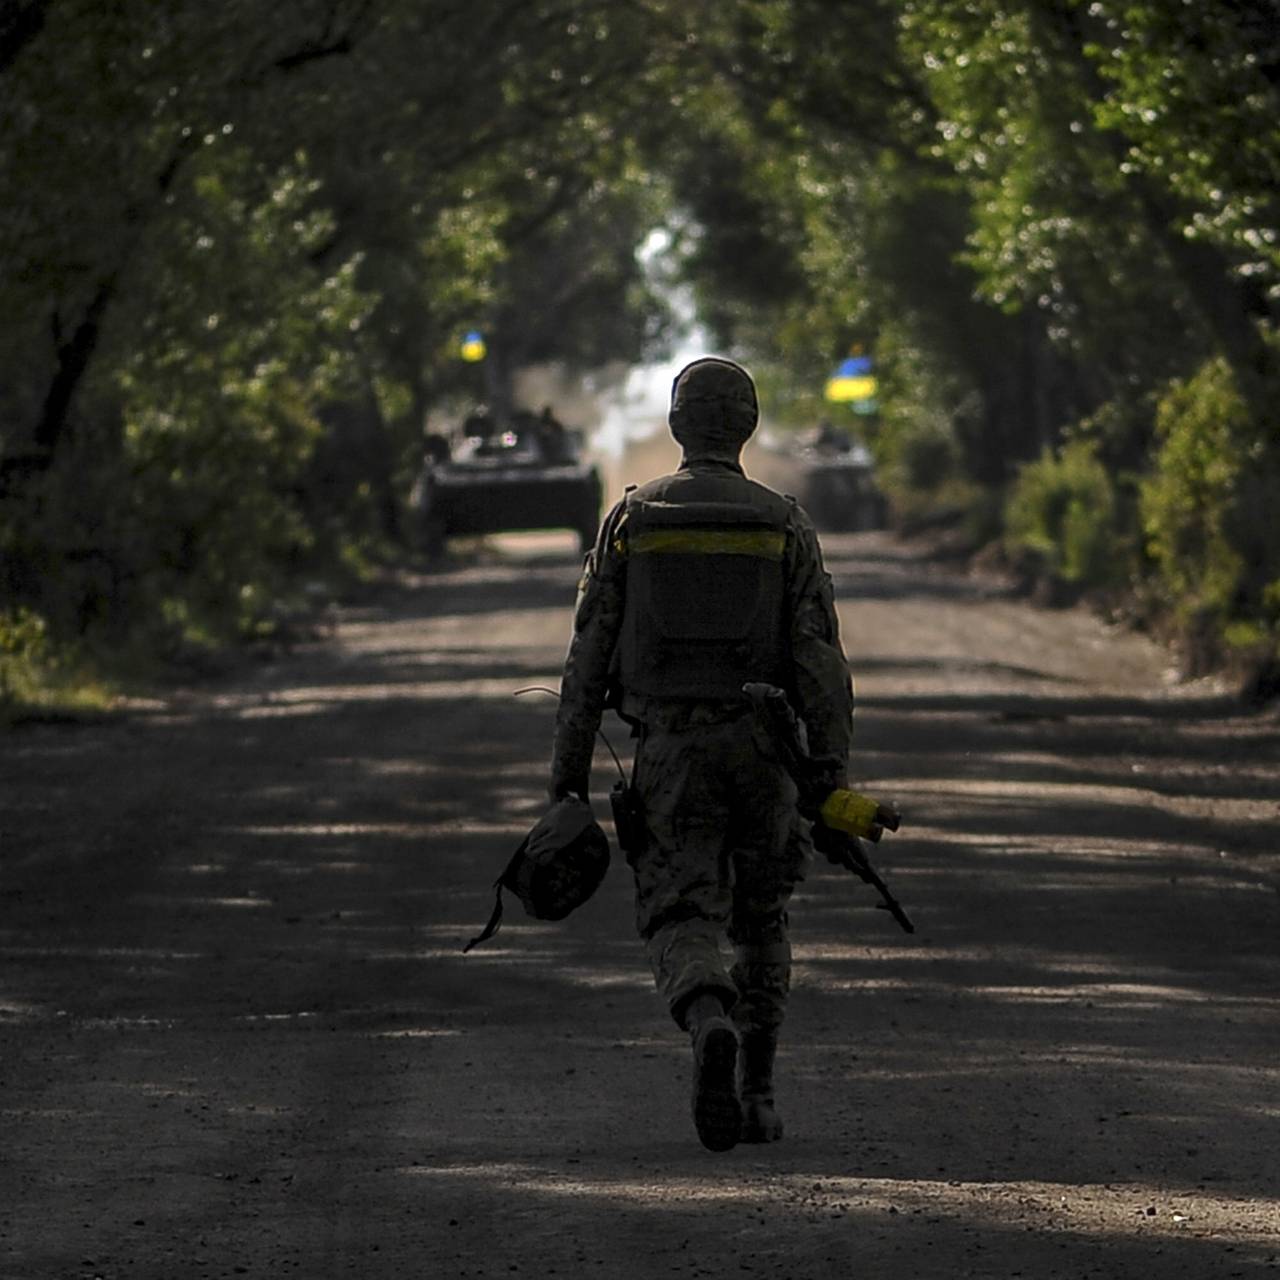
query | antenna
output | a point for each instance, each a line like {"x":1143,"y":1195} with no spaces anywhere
{"x":542,"y":688}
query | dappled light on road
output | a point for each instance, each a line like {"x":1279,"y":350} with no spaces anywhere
{"x":238,"y":955}
{"x":1074,"y":1208}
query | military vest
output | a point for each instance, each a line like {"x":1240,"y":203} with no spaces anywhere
{"x":704,"y":587}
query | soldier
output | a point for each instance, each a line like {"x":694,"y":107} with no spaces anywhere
{"x":699,"y":582}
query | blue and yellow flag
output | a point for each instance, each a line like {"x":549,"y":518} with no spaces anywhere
{"x":852,"y":381}
{"x":473,"y":347}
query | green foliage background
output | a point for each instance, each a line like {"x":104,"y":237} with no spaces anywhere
{"x":238,"y":245}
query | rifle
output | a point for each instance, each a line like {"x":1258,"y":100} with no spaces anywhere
{"x":841,"y":819}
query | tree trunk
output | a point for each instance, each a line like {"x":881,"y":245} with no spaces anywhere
{"x":73,"y":360}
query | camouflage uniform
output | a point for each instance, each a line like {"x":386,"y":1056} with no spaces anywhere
{"x":724,"y":844}
{"x":724,"y":852}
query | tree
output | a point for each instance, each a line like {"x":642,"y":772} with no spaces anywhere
{"x":239,"y":246}
{"x":239,"y":243}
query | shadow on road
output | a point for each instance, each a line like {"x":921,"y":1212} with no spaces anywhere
{"x":241,"y":1031}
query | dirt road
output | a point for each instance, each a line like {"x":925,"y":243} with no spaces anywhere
{"x":239,"y":1037}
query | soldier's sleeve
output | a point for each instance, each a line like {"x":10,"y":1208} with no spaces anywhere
{"x":596,"y":624}
{"x":820,"y":673}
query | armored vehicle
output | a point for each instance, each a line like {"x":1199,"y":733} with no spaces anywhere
{"x":832,"y":476}
{"x":525,"y":473}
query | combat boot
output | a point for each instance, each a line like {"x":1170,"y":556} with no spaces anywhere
{"x":760,"y":1119}
{"x":717,"y":1111}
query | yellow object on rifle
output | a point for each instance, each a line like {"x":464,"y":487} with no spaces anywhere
{"x":858,"y":815}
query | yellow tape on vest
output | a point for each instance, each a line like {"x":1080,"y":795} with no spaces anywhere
{"x":765,"y":544}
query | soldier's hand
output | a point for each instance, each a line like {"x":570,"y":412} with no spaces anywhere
{"x":836,"y":846}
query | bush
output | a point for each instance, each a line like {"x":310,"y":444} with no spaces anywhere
{"x":22,"y":647}
{"x":1208,"y":507}
{"x":1063,"y":511}
{"x":918,"y":465}
{"x":36,"y":677}
{"x":925,"y":454}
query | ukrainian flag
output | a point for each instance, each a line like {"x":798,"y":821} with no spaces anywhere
{"x":473,"y":347}
{"x":852,"y":381}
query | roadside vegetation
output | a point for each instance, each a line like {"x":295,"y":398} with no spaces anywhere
{"x":239,"y":249}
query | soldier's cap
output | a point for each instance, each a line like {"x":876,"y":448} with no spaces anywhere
{"x":713,"y":402}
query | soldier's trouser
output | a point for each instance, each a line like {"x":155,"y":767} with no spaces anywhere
{"x":724,"y":850}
